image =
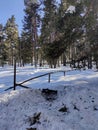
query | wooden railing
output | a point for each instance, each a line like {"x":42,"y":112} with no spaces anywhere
{"x":49,"y":79}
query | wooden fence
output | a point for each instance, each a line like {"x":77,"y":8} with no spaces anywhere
{"x":21,"y":84}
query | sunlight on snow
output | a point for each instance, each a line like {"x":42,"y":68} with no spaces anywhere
{"x":2,"y":86}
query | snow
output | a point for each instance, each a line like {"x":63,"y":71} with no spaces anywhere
{"x":77,"y":92}
{"x":71,"y":9}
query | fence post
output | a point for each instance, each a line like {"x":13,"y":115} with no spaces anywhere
{"x":14,"y":73}
{"x":49,"y":78}
{"x":64,"y":73}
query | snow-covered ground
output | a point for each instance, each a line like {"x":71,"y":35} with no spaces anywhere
{"x":74,"y":107}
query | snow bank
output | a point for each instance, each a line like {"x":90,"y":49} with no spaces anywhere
{"x":75,"y":106}
{"x":17,"y":108}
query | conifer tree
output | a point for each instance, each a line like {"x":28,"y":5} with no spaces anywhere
{"x":48,"y":29}
{"x":49,"y":34}
{"x":68,"y":28}
{"x":2,"y":46}
{"x":30,"y":24}
{"x":11,"y":42}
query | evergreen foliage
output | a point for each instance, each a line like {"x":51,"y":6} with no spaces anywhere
{"x":11,"y":41}
{"x":64,"y":31}
{"x":30,"y":30}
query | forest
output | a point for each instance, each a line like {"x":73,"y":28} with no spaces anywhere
{"x":54,"y":33}
{"x":49,"y":68}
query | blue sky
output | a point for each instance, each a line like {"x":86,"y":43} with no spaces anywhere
{"x":9,"y":8}
{"x":12,"y":7}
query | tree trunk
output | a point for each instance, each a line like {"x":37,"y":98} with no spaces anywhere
{"x":54,"y":63}
{"x":64,"y":59}
{"x":89,"y":62}
{"x":97,"y":64}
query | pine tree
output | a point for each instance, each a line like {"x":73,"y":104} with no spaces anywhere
{"x":31,"y":23}
{"x":49,"y":34}
{"x":25,"y":49}
{"x":48,"y":29}
{"x":70,"y":25}
{"x":2,"y":46}
{"x":90,"y":23}
{"x":11,"y":42}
